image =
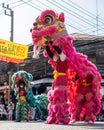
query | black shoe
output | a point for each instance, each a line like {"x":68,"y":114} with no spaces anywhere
{"x":17,"y":120}
{"x":26,"y":120}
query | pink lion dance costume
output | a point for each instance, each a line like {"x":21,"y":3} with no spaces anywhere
{"x":76,"y":80}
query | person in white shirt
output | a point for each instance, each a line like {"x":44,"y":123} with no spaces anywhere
{"x":10,"y":110}
{"x":1,"y":109}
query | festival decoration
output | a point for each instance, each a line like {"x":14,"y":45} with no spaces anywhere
{"x":12,"y":52}
{"x":5,"y":90}
{"x":25,"y":97}
{"x":76,"y":86}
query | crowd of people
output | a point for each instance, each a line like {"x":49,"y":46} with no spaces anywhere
{"x":8,"y":112}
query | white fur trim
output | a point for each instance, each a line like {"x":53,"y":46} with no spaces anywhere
{"x":55,"y":57}
{"x":62,"y":56}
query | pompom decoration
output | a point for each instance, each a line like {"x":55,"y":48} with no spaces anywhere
{"x":58,"y":108}
{"x":61,"y":17}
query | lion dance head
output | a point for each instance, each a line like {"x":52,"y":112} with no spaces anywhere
{"x":46,"y":28}
{"x":21,"y":78}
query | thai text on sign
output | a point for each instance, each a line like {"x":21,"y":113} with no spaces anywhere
{"x":13,"y":50}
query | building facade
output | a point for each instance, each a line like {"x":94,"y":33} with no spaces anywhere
{"x":92,"y":46}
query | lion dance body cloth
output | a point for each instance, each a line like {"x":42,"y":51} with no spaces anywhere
{"x":76,"y":86}
{"x":25,"y":98}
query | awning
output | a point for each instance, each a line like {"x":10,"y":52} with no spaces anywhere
{"x":2,"y":88}
{"x":45,"y":80}
{"x":102,"y":81}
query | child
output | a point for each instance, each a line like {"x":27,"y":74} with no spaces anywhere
{"x":10,"y":110}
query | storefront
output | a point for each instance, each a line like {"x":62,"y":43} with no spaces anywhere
{"x":42,"y":85}
{"x":102,"y":83}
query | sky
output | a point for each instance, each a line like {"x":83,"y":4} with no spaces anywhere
{"x":81,"y":16}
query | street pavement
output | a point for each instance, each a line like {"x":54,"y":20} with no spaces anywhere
{"x":33,"y":125}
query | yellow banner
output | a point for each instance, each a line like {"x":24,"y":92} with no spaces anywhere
{"x":13,"y":50}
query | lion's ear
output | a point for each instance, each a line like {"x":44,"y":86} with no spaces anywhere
{"x":61,"y":17}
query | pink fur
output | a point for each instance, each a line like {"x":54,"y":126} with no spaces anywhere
{"x":61,"y":17}
{"x":44,"y":13}
{"x":49,"y":31}
{"x":77,"y":83}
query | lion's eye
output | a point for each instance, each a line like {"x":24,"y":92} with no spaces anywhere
{"x":49,"y":19}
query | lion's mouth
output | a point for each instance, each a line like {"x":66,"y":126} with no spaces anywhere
{"x":21,"y":81}
{"x":38,"y":34}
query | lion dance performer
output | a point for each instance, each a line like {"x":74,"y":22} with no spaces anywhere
{"x":76,"y":80}
{"x":23,"y":91}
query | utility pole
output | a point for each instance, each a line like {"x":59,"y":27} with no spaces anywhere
{"x":11,"y":14}
{"x":97,"y":16}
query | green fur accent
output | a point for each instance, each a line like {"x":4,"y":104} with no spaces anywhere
{"x":39,"y":102}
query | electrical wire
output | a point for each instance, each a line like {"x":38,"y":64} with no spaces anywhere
{"x":67,"y":17}
{"x":72,"y":13}
{"x":5,"y":2}
{"x":84,"y":11}
{"x":89,"y":23}
{"x":61,"y":8}
{"x":32,"y":5}
{"x":66,"y":23}
{"x":64,"y":6}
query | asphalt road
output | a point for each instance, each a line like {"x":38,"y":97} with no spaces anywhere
{"x":12,"y":125}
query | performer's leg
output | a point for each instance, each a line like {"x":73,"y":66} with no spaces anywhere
{"x":18,"y":112}
{"x":76,"y":108}
{"x":89,"y":108}
{"x":58,"y":107}
{"x":24,"y":111}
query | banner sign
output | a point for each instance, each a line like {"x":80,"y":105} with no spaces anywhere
{"x":12,"y":52}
